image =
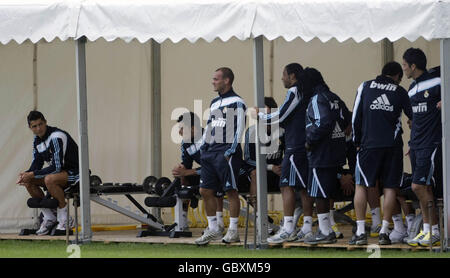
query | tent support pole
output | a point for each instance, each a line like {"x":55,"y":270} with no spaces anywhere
{"x":261,"y":195}
{"x":387,"y":52}
{"x":445,"y":87}
{"x":155,"y":150}
{"x":83,"y":151}
{"x":156,"y":108}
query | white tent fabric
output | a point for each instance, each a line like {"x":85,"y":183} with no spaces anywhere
{"x":205,"y":19}
{"x":37,"y":19}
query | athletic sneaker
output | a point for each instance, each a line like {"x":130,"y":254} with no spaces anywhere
{"x":221,"y":230}
{"x":62,"y":224}
{"x":301,"y":236}
{"x":320,"y":238}
{"x":279,"y":237}
{"x":435,"y":240}
{"x":358,"y":240}
{"x":375,"y":231}
{"x":397,"y":237}
{"x":231,"y":236}
{"x":383,"y":239}
{"x":207,"y":236}
{"x":272,"y":229}
{"x":46,"y":227}
{"x":339,"y":235}
{"x":415,"y":241}
{"x":293,"y":236}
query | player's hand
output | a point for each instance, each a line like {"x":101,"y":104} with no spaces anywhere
{"x":276,"y":169}
{"x":347,"y":184}
{"x":409,"y":122}
{"x":438,"y":105}
{"x":178,"y":171}
{"x":26,"y":177}
{"x":254,"y":112}
{"x":348,"y":130}
{"x":407,"y":153}
{"x":20,"y":179}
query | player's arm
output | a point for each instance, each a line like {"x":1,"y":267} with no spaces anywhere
{"x":357,"y":116}
{"x":320,"y":119}
{"x":291,"y":101}
{"x":57,"y":148}
{"x":240,"y":127}
{"x":250,"y":149}
{"x":36,"y":164}
{"x":185,"y":168}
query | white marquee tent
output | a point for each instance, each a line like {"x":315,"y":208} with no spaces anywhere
{"x":175,"y":20}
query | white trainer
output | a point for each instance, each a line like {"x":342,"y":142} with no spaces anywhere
{"x":397,"y":237}
{"x":231,"y":236}
{"x":207,"y":236}
{"x":279,"y":237}
{"x":46,"y":227}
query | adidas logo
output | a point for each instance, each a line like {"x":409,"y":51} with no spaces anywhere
{"x":423,"y":179}
{"x":285,"y":180}
{"x":382,"y":103}
{"x":337,"y":132}
{"x":227,"y":184}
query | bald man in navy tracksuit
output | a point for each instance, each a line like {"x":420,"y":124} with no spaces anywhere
{"x":221,"y":155}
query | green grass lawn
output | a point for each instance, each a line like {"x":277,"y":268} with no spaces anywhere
{"x":57,"y":249}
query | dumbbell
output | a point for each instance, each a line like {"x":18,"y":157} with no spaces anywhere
{"x":149,"y":184}
{"x":161,"y":185}
{"x":95,"y":181}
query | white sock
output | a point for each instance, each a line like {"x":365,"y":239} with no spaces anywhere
{"x":307,"y":224}
{"x":360,"y":227}
{"x":398,"y":223}
{"x":61,"y":214}
{"x":324,"y":223}
{"x":435,"y":230}
{"x":376,"y":217}
{"x":212,"y":223}
{"x":219,"y":216}
{"x":332,"y":223}
{"x":288,"y":224}
{"x":409,"y":220}
{"x":233,"y":223}
{"x":48,"y":214}
{"x":426,"y":228}
{"x":384,"y":227}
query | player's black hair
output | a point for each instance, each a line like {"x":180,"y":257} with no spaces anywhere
{"x":415,"y":56}
{"x":193,"y":119}
{"x":392,"y":69}
{"x":270,"y":102}
{"x":312,"y":78}
{"x":35,"y":115}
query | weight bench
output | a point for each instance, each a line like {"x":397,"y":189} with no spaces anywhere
{"x":171,"y":194}
{"x":47,"y":202}
{"x":99,"y":189}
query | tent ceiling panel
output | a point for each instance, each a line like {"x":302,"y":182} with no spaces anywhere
{"x":176,"y":20}
{"x":37,"y":19}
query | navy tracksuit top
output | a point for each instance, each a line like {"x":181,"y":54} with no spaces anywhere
{"x":327,"y":117}
{"x":377,"y":113}
{"x":58,"y":149}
